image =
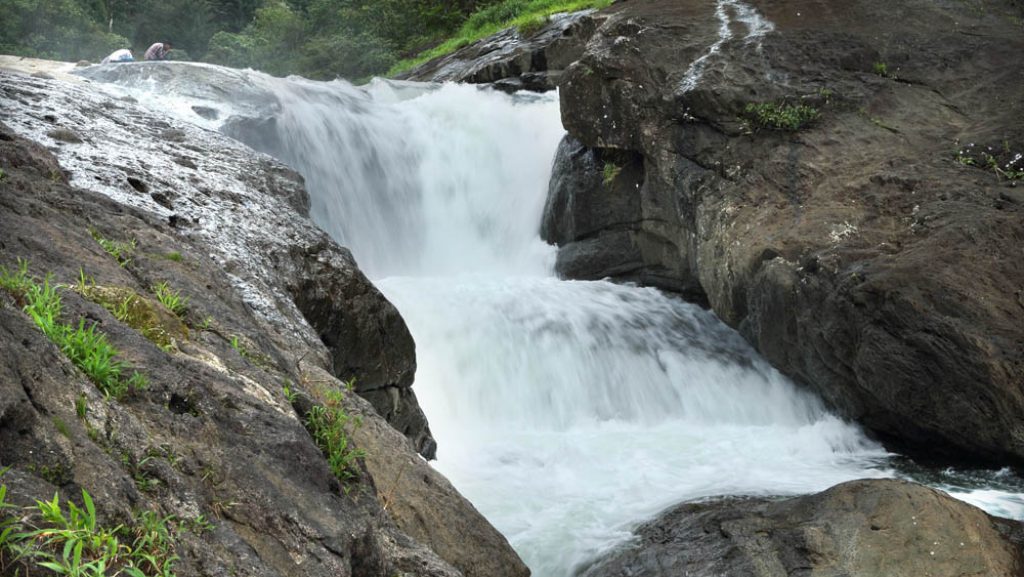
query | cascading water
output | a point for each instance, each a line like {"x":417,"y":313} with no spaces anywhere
{"x":566,"y":411}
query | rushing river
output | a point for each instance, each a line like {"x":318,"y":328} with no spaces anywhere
{"x":565,"y":411}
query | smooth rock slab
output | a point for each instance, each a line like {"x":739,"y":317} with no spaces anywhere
{"x":860,"y":528}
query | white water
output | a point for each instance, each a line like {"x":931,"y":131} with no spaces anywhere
{"x":565,"y":411}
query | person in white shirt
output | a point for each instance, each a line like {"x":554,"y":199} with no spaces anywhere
{"x":122,"y":55}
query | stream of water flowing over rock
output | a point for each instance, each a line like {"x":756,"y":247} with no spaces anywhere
{"x":565,"y":411}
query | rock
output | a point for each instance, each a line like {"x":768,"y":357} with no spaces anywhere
{"x":511,"y":61}
{"x":858,"y":254}
{"x":290,"y":271}
{"x":871,"y":527}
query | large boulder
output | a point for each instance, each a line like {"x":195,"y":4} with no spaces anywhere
{"x":840,"y":187}
{"x":874,"y":527}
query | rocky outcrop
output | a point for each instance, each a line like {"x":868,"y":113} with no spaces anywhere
{"x":219,"y":432}
{"x":873,"y":527}
{"x":839,"y":187}
{"x":515,"y":60}
{"x":312,"y":279}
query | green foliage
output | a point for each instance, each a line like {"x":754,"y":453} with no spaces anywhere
{"x":494,"y":18}
{"x":329,"y":425}
{"x":120,"y":250}
{"x":173,"y":256}
{"x":170,"y":298}
{"x":290,"y":394}
{"x":70,"y":541}
{"x":780,"y":116}
{"x":610,"y":173}
{"x":58,"y":29}
{"x":881,"y":69}
{"x":87,"y":348}
{"x":82,"y":406}
{"x":315,"y":38}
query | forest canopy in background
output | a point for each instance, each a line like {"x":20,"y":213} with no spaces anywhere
{"x":320,"y":39}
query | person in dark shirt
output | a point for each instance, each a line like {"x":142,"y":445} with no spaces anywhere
{"x":158,"y":51}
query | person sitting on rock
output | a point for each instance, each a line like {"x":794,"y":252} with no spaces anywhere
{"x":122,"y":55}
{"x":158,"y":51}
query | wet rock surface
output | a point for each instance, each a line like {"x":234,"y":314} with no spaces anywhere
{"x":214,"y":434}
{"x":878,"y":527}
{"x":512,"y":60}
{"x":874,"y":252}
{"x":291,"y":273}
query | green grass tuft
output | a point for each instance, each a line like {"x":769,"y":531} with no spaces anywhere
{"x":69,"y":540}
{"x":610,"y":173}
{"x":780,"y":116}
{"x":329,"y":425}
{"x":170,"y":298}
{"x":86,"y":347}
{"x":123,"y":252}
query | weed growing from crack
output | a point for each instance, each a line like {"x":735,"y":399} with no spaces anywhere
{"x":170,"y":298}
{"x":610,"y":173}
{"x":86,"y":347}
{"x":123,"y":252}
{"x":780,"y":116}
{"x":70,"y":541}
{"x":329,"y":425}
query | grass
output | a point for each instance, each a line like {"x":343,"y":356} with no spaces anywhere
{"x":170,"y":298}
{"x":82,"y":406}
{"x":122,"y":251}
{"x":86,"y":347}
{"x":780,"y":116}
{"x":329,"y":424}
{"x":69,"y":540}
{"x":174,"y":256}
{"x":610,"y":173}
{"x":881,"y":69}
{"x":527,"y":16}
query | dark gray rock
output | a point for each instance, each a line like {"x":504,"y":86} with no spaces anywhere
{"x":857,"y":254}
{"x":880,"y":527}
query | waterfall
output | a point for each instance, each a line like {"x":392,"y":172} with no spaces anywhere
{"x":565,"y":411}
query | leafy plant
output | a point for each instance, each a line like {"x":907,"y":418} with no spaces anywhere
{"x":881,"y":69}
{"x":610,"y":173}
{"x":70,"y":541}
{"x":290,"y":394}
{"x":170,"y":298}
{"x":329,"y":426}
{"x":86,"y":347}
{"x":82,"y":406}
{"x":780,"y":116}
{"x":122,"y":251}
